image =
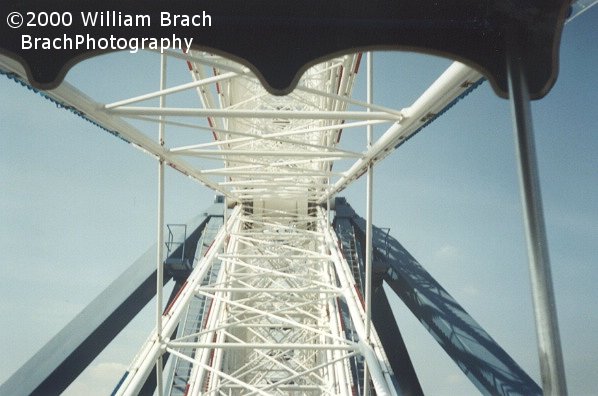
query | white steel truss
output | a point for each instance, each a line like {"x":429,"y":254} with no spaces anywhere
{"x":275,"y":319}
{"x":265,"y":146}
{"x":267,"y":155}
{"x":274,"y":323}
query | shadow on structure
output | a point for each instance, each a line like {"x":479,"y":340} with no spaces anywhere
{"x":482,"y":360}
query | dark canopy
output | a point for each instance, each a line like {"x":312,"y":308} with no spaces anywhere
{"x":279,"y":39}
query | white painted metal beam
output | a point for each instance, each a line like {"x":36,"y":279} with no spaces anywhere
{"x":168,"y":91}
{"x":233,"y":113}
{"x":72,"y":98}
{"x":452,"y":83}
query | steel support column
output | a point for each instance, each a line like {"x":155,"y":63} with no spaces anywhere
{"x":369,"y":203}
{"x":160,"y":248}
{"x":549,"y":344}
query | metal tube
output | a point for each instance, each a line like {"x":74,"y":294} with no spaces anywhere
{"x":278,"y":174}
{"x":163,"y":91}
{"x":370,"y":94}
{"x":267,"y":136}
{"x":269,"y":153}
{"x":225,"y":214}
{"x":231,"y":113}
{"x":349,"y":100}
{"x":160,"y":248}
{"x":452,"y":83}
{"x":368,"y":232}
{"x":250,"y":345}
{"x":328,"y":217}
{"x":549,"y":345}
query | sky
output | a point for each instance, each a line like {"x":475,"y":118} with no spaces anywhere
{"x":78,"y":206}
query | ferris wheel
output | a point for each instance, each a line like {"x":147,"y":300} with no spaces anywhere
{"x":280,"y":286}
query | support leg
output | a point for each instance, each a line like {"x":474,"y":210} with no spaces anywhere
{"x":160,"y":252}
{"x":368,"y":238}
{"x":549,"y":345}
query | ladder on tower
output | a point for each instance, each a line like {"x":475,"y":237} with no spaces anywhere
{"x":353,"y":258}
{"x":195,"y":315}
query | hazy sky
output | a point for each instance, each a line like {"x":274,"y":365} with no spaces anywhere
{"x":78,"y":206}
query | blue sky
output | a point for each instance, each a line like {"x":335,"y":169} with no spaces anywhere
{"x":78,"y":206}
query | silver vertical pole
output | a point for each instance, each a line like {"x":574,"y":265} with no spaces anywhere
{"x":160,"y":252}
{"x":368,"y":232}
{"x":549,"y":344}
{"x":328,"y":202}
{"x":225,"y":214}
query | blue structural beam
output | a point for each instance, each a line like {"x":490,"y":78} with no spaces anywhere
{"x":352,"y":240}
{"x":394,"y":345}
{"x":57,"y":364}
{"x":482,"y":360}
